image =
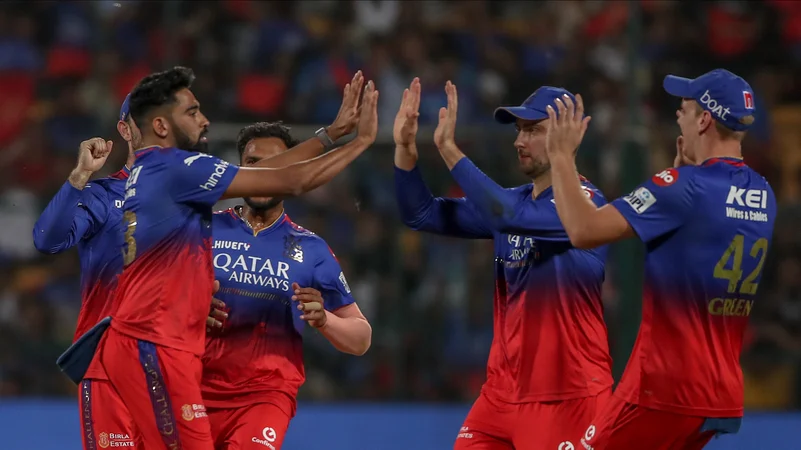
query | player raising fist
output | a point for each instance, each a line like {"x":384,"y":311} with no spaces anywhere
{"x":549,"y":366}
{"x":89,"y":216}
{"x":707,"y":228}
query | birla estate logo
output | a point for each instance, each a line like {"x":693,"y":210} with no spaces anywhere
{"x":714,"y":106}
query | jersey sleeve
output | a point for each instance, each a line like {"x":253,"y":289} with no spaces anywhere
{"x":660,"y":205}
{"x":505,"y":212}
{"x":199,"y":178}
{"x":421,"y":211}
{"x":330,"y":280}
{"x":73,"y":214}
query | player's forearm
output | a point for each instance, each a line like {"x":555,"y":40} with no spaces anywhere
{"x":318,"y":171}
{"x":575,"y":210}
{"x":79,"y":178}
{"x":294,"y":179}
{"x":415,"y":202}
{"x":492,"y":200}
{"x":351,"y":335}
{"x":58,"y":227}
{"x":451,"y":155}
{"x":406,"y":157}
{"x":308,"y":149}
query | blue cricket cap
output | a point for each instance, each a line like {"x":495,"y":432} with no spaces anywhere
{"x":534,"y":106}
{"x":124,"y":108}
{"x":725,"y":95}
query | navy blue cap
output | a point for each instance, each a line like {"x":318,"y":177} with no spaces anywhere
{"x":124,"y":108}
{"x":534,"y":106}
{"x":725,"y":95}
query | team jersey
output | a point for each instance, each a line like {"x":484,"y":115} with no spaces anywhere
{"x":707,"y":229}
{"x":258,"y":352}
{"x":550,"y":341}
{"x":165,"y":289}
{"x":91,"y":219}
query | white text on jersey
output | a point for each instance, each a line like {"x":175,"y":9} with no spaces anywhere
{"x":214,"y":178}
{"x":232,"y":245}
{"x":751,"y":198}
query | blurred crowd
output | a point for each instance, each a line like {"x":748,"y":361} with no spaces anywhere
{"x":66,"y":66}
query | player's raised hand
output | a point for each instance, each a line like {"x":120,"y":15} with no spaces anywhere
{"x":445,"y":134}
{"x":404,"y":131}
{"x":348,"y":116}
{"x":566,"y":129}
{"x":681,"y":158}
{"x":310,"y":301}
{"x":92,"y":154}
{"x":217,"y":314}
{"x":368,"y":116}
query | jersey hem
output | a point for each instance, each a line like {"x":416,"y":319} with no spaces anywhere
{"x":546,"y":397}
{"x":137,"y":334}
{"x":685,"y":410}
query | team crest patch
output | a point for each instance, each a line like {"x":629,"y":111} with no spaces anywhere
{"x":292,"y":249}
{"x":102,"y":440}
{"x":187,"y":413}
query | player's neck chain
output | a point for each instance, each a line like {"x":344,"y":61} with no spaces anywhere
{"x":239,"y":210}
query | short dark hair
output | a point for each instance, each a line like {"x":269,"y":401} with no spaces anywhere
{"x":156,"y":90}
{"x":264,"y":130}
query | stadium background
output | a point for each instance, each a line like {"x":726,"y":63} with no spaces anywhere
{"x":66,"y":66}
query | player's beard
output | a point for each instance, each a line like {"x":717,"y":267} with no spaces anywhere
{"x":184,"y":142}
{"x":262,"y":206}
{"x":535,"y":168}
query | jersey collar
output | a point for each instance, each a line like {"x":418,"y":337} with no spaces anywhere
{"x":730,"y":160}
{"x":122,"y":174}
{"x":236,"y":212}
{"x":142,"y":151}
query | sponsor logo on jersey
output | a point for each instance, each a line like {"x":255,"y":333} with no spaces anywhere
{"x":588,"y":435}
{"x":188,"y":161}
{"x":114,"y":440}
{"x":566,"y":445}
{"x":268,"y":436}
{"x":219,"y":170}
{"x":193,"y":411}
{"x":231,"y":245}
{"x":640,"y":200}
{"x":747,"y":198}
{"x":666,"y":177}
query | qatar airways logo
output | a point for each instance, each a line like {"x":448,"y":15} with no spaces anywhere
{"x":219,"y":170}
{"x":254,"y":270}
{"x":522,"y":251}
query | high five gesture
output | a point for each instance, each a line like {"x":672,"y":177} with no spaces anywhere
{"x":566,"y":126}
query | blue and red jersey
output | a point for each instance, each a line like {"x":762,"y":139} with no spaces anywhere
{"x":258,"y":353}
{"x":89,"y":218}
{"x":707,"y":230}
{"x":550,"y":341}
{"x":165,"y":289}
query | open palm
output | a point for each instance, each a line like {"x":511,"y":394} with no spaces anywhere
{"x":445,"y":134}
{"x":404,"y":131}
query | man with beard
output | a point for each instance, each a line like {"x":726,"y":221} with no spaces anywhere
{"x":549,"y":367}
{"x":151,"y":352}
{"x":253,"y":365}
